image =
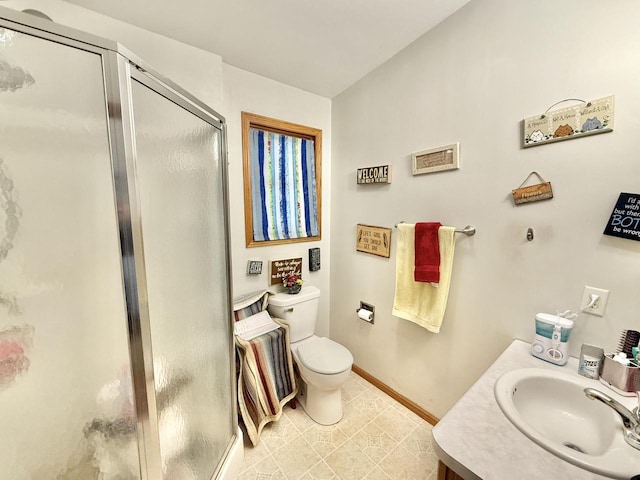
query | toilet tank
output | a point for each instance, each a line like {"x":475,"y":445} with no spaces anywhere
{"x":299,"y":311}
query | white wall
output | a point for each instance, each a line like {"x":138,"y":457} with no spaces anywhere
{"x":473,"y":79}
{"x":244,"y":91}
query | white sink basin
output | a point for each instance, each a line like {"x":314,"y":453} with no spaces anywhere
{"x":552,"y":410}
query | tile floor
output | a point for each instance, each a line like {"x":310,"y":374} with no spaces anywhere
{"x":377,"y":439}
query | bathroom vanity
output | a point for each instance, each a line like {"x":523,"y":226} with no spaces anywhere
{"x":476,"y":441}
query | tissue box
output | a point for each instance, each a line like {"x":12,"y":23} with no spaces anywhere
{"x":625,"y":379}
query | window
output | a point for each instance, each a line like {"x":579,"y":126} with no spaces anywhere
{"x":282,"y":181}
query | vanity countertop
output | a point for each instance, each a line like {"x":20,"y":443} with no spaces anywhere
{"x":478,"y":442}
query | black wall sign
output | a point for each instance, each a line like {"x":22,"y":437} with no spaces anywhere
{"x":625,"y":218}
{"x":314,"y":259}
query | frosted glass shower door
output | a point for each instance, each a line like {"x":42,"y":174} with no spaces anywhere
{"x":181,"y":184}
{"x":66,"y":402}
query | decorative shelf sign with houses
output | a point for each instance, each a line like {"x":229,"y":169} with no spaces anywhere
{"x":585,"y":119}
{"x":625,"y":218}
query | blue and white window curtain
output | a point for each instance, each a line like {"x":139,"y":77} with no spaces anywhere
{"x":283,"y":185}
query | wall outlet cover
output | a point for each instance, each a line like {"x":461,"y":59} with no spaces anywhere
{"x":600,"y":306}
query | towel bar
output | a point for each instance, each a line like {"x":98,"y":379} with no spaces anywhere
{"x":469,"y":230}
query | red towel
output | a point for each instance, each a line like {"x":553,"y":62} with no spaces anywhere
{"x":427,"y":252}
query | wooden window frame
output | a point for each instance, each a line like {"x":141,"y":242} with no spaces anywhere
{"x":251,"y":120}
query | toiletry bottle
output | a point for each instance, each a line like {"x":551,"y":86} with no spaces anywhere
{"x":590,"y":364}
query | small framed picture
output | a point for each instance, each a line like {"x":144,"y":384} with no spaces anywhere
{"x":373,"y":240}
{"x":437,"y":159}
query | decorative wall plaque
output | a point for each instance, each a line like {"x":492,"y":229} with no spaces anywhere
{"x":254,"y":267}
{"x":282,"y":267}
{"x":314,"y":259}
{"x":587,"y":118}
{"x":532,"y":193}
{"x":625,"y":218}
{"x":381,"y":174}
{"x":373,"y":240}
{"x":436,"y":159}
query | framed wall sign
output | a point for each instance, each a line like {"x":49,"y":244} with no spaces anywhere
{"x":625,"y":218}
{"x":314,"y":259}
{"x":373,"y":240}
{"x":368,"y":175}
{"x":279,"y":268}
{"x":437,"y":159}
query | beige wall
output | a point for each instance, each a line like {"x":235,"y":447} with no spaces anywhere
{"x":472,"y":80}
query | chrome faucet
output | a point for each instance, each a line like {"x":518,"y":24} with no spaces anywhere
{"x":630,"y":420}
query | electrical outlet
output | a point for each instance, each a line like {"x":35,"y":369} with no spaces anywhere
{"x":598,"y":308}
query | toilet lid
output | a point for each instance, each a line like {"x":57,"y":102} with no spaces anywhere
{"x":325,"y":356}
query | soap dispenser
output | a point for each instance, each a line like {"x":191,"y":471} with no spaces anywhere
{"x":551,"y":340}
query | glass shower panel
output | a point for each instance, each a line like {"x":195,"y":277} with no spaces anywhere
{"x":180,"y":183}
{"x":66,"y":403}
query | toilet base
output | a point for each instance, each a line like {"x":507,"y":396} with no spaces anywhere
{"x":322,"y":406}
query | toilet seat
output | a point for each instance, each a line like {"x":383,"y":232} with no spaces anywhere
{"x":325,"y":356}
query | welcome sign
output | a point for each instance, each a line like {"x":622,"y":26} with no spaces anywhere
{"x":380,"y":174}
{"x":625,"y":218}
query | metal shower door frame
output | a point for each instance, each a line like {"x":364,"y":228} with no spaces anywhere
{"x":120,"y":68}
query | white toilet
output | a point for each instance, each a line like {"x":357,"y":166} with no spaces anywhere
{"x":324,"y":365}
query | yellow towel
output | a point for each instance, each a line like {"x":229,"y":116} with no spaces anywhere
{"x":419,"y":302}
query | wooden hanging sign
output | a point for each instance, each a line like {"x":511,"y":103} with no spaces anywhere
{"x":587,"y":118}
{"x":532,"y":193}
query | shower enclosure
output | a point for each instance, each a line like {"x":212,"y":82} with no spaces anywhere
{"x":116,"y":355}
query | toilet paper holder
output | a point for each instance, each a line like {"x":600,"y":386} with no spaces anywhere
{"x":366,"y":312}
